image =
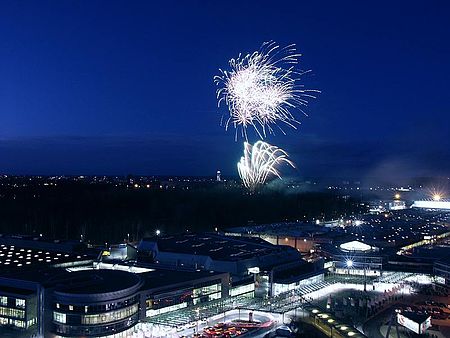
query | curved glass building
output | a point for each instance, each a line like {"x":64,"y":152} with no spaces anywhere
{"x":95,"y":303}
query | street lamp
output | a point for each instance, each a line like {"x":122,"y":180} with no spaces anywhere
{"x":349,"y":264}
{"x":158,"y":232}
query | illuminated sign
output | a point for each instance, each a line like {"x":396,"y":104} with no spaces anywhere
{"x":414,"y":326}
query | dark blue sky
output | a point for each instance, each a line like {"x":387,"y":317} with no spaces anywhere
{"x":112,"y":87}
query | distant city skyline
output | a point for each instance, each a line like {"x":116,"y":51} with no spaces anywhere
{"x":116,"y":89}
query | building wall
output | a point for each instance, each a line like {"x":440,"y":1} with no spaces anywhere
{"x":302,"y":244}
{"x":18,"y":309}
{"x":94,"y":318}
{"x":203,"y":291}
{"x":442,"y":273}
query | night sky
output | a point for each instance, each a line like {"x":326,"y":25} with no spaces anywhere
{"x":112,"y":87}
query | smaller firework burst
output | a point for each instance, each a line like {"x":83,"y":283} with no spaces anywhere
{"x":259,"y":163}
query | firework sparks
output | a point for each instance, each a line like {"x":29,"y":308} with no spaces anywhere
{"x":260,"y":161}
{"x":261,"y":90}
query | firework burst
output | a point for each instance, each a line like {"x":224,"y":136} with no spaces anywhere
{"x":260,"y":161}
{"x":261,"y":90}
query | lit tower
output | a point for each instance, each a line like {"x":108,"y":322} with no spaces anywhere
{"x":218,"y":179}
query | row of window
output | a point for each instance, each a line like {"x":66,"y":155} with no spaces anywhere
{"x":9,"y":312}
{"x":207,"y":298}
{"x":97,"y":308}
{"x":154,"y":312}
{"x":206,"y":290}
{"x":96,"y":330}
{"x":18,"y":302}
{"x":131,"y":332}
{"x":110,"y":316}
{"x":100,"y":318}
{"x":13,"y":322}
{"x":242,"y":289}
{"x":162,"y":301}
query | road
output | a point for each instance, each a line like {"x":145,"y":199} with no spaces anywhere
{"x":192,"y":328}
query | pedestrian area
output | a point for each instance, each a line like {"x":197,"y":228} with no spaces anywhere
{"x":280,"y":304}
{"x":287,"y":301}
{"x":393,"y":277}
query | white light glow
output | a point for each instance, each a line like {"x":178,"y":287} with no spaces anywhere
{"x":355,"y":246}
{"x":260,"y":161}
{"x":261,"y":89}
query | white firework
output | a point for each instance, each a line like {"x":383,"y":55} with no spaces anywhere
{"x":260,"y":162}
{"x":261,"y":89}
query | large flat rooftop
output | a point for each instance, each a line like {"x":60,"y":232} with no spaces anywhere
{"x":216,"y":246}
{"x":13,"y":257}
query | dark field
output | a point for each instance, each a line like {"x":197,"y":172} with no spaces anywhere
{"x":104,"y":212}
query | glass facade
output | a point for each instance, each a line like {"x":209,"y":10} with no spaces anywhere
{"x":169,"y":299}
{"x":153,"y":312}
{"x":178,"y":299}
{"x":243,"y":289}
{"x":80,"y":321}
{"x":95,"y":308}
{"x":109,"y":316}
{"x":59,"y":317}
{"x":108,"y":329}
{"x":207,"y":293}
{"x":131,"y":332}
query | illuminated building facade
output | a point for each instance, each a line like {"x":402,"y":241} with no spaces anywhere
{"x":440,"y":204}
{"x":442,"y":272}
{"x":95,"y":302}
{"x":81,"y":296}
{"x":254,"y":264}
{"x":18,"y":309}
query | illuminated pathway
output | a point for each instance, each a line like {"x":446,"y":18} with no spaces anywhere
{"x":184,"y":321}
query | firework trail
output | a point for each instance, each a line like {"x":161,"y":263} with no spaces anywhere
{"x":260,"y":161}
{"x":261,"y":90}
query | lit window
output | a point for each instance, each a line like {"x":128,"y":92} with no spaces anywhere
{"x":70,"y":307}
{"x":20,"y":303}
{"x":59,"y":317}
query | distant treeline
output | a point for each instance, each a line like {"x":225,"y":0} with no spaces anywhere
{"x":105,"y":213}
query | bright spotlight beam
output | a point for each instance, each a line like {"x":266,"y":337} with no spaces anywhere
{"x":262,"y":90}
{"x":260,"y":161}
